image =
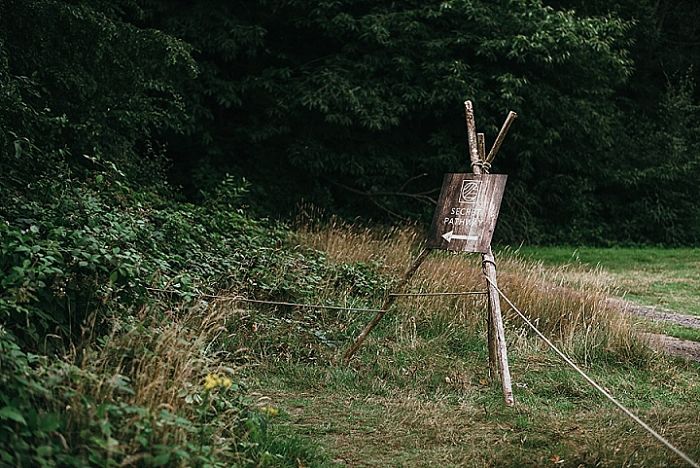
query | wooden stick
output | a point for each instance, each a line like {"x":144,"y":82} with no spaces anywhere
{"x":497,"y":327}
{"x":489,"y":267}
{"x":501,"y":136}
{"x":490,"y":326}
{"x":388,"y":301}
{"x":491,"y":341}
{"x":481,"y":146}
{"x":471,"y":135}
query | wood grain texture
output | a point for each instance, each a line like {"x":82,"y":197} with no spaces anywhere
{"x":497,"y":334}
{"x":501,"y":136}
{"x":467,"y":210}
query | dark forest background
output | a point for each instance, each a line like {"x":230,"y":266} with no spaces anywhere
{"x":356,"y":106}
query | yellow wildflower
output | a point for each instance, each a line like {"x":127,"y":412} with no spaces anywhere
{"x":211,"y":381}
{"x":270,"y":410}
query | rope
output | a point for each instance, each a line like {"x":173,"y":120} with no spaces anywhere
{"x":424,"y":294}
{"x":566,"y":359}
{"x":281,"y":303}
{"x":321,"y":306}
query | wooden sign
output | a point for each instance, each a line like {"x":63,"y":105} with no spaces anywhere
{"x":467,"y":211}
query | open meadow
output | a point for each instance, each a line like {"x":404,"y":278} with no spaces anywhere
{"x":419,"y":394}
{"x":662,"y":277}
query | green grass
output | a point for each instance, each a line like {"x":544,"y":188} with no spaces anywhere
{"x":668,"y":278}
{"x":418,"y":392}
{"x":429,"y":402}
{"x":677,"y":331}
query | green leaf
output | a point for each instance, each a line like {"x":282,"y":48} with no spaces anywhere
{"x":161,"y":459}
{"x":12,"y":414}
{"x":49,"y":422}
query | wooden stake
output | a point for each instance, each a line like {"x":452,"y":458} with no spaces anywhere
{"x":490,"y":328}
{"x":501,"y":136}
{"x":481,"y":146}
{"x":497,"y":328}
{"x":388,"y":301}
{"x":471,"y":135}
{"x":489,"y":267}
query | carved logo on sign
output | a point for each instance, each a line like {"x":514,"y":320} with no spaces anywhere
{"x":470,"y":189}
{"x":467,"y":210}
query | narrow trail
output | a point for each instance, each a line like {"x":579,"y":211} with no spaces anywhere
{"x":657,"y":314}
{"x":674,"y":346}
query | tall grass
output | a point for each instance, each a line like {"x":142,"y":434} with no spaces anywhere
{"x":159,"y":365}
{"x":162,"y":389}
{"x":581,"y":320}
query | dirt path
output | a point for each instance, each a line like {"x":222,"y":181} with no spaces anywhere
{"x":657,"y":314}
{"x":674,"y":346}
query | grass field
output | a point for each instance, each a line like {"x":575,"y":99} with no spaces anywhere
{"x":669,"y":278}
{"x":433,"y":406}
{"x":419,"y":394}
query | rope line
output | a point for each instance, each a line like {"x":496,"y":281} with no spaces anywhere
{"x":428,"y":294}
{"x":321,"y":306}
{"x":566,"y":359}
{"x":282,"y":303}
{"x":308,"y":306}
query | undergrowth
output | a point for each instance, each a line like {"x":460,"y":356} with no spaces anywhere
{"x":160,"y":372}
{"x":109,"y":358}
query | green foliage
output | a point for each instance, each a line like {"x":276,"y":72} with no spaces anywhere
{"x":100,"y":88}
{"x":103,"y":243}
{"x":47,"y":419}
{"x":25,"y":431}
{"x":348,"y":102}
{"x":650,"y":200}
{"x":345,"y":103}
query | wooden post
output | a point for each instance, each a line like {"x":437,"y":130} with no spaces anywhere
{"x":490,"y":329}
{"x":489,"y":267}
{"x":501,"y":136}
{"x":388,"y":301}
{"x":481,"y":146}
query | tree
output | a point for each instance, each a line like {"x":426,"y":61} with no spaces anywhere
{"x":341,"y":102}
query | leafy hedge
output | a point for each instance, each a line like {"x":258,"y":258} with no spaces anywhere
{"x":89,"y":227}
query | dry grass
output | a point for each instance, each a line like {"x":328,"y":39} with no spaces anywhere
{"x":159,"y":365}
{"x":581,"y":320}
{"x":419,"y":394}
{"x":392,"y":247}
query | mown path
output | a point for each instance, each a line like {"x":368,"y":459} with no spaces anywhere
{"x":656,"y":314}
{"x":675,"y":346}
